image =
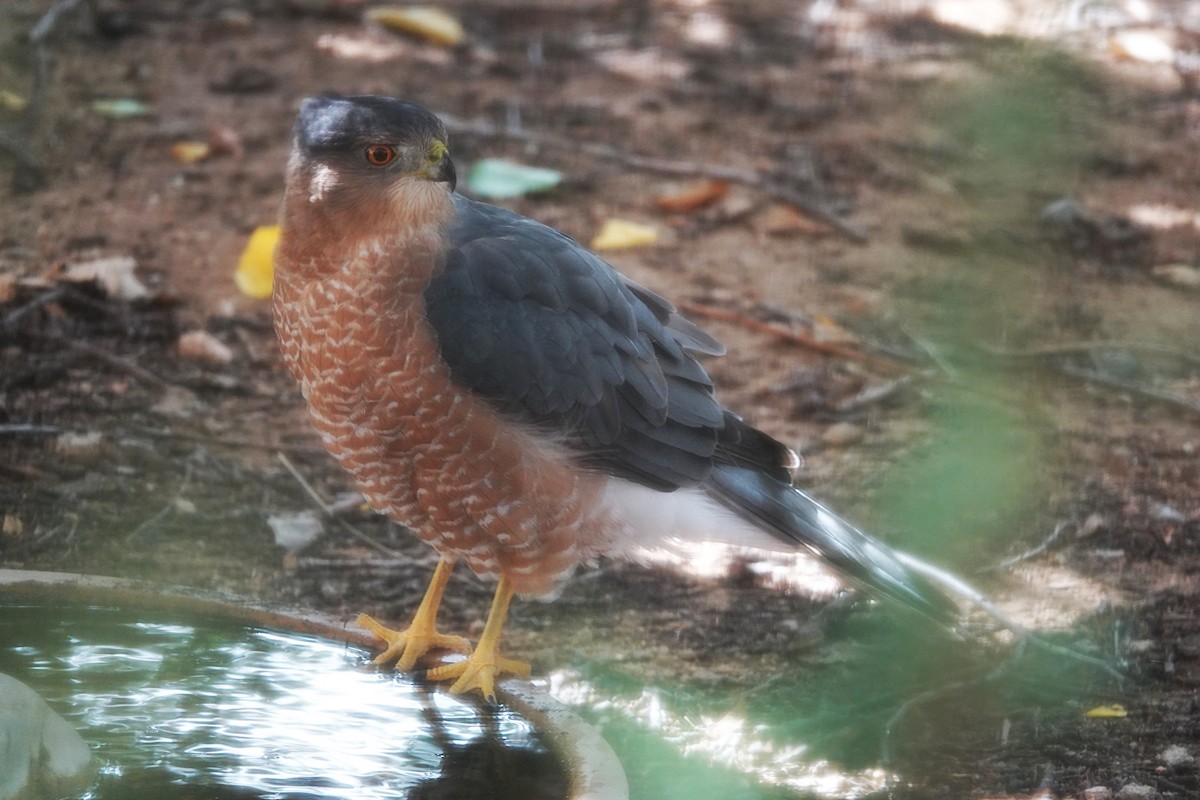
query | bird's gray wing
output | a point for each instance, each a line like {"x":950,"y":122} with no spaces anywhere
{"x":551,"y":334}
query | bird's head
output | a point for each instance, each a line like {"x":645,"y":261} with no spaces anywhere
{"x":368,"y":161}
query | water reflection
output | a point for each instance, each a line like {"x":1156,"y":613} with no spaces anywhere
{"x":181,"y":710}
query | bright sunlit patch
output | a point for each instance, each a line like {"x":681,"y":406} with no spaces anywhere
{"x":1162,"y":216}
{"x":729,"y":740}
{"x":707,"y":29}
{"x":367,"y":46}
{"x":796,"y":572}
{"x":1048,"y":597}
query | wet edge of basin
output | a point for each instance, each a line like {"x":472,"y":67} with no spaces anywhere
{"x":592,"y":766}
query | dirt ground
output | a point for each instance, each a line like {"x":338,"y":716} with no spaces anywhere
{"x":1000,"y":242}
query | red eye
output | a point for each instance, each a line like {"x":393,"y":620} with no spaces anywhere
{"x":380,"y":154}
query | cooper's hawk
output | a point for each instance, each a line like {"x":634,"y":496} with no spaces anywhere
{"x":505,"y":393}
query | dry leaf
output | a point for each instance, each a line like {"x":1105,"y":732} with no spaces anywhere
{"x":424,"y":22}
{"x":621,"y":234}
{"x":256,"y":268}
{"x":11,"y":101}
{"x":115,"y":276}
{"x":693,"y":196}
{"x":1114,"y":711}
{"x":784,"y":220}
{"x":190,"y":152}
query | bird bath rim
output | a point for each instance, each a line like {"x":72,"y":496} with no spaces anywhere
{"x":591,"y":765}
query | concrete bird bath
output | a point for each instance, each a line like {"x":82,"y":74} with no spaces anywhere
{"x":177,"y":691}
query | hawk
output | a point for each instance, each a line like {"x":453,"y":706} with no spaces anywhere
{"x":507,"y":394}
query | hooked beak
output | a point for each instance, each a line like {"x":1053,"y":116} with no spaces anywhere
{"x":442,"y":172}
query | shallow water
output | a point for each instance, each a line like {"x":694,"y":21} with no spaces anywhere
{"x":189,"y":708}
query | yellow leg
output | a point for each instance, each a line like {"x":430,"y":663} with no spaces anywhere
{"x":406,"y":646}
{"x":481,"y":667}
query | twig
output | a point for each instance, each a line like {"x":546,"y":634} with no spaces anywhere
{"x":930,"y":350}
{"x":25,"y":428}
{"x":873,"y":394}
{"x":12,"y":317}
{"x":17,"y":145}
{"x":885,"y":755}
{"x":1070,"y":348}
{"x":302,"y":449}
{"x":791,"y":336}
{"x":1028,"y":554}
{"x":1091,"y":376}
{"x":330,"y":511}
{"x":112,"y":359}
{"x":304,"y":484}
{"x":357,"y":564}
{"x":773,"y":185}
{"x":166,"y":510}
{"x":44,"y":26}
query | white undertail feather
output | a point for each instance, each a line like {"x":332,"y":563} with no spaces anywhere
{"x":685,"y":516}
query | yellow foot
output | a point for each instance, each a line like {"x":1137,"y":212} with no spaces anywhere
{"x":479,"y":671}
{"x":406,"y":646}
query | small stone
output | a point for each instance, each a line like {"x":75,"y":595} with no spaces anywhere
{"x":202,"y":346}
{"x":1097,"y":793}
{"x":1178,"y":275}
{"x":79,"y":447}
{"x":294,"y":532}
{"x":115,"y":275}
{"x":1137,"y":791}
{"x":842,"y":434}
{"x":235,"y":20}
{"x":1177,"y":756}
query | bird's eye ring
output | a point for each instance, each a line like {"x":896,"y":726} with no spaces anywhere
{"x":380,"y":155}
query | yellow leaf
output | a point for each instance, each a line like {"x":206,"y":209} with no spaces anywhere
{"x":425,"y":22}
{"x":1107,"y":712}
{"x":619,"y":234}
{"x":190,"y":152}
{"x":11,"y":101}
{"x":256,"y":267}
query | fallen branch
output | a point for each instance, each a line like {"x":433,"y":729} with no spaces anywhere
{"x":166,"y":510}
{"x":1100,"y":379}
{"x":776,"y":186}
{"x":1031,"y":553}
{"x":792,"y":337}
{"x":885,"y":755}
{"x":332,"y":511}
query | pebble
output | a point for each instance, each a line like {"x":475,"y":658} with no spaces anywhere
{"x":1177,"y":756}
{"x":81,"y":448}
{"x":1179,"y":275}
{"x":1137,"y":791}
{"x":1097,"y":793}
{"x":202,"y":346}
{"x":842,"y":434}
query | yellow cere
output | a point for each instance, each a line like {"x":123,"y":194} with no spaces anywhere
{"x":437,"y":151}
{"x":256,"y":267}
{"x":621,"y":234}
{"x":423,"y":22}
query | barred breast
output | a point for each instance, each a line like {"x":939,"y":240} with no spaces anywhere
{"x":423,"y":450}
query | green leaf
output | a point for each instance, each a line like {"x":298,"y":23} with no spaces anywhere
{"x":493,"y":177}
{"x":120,"y":108}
